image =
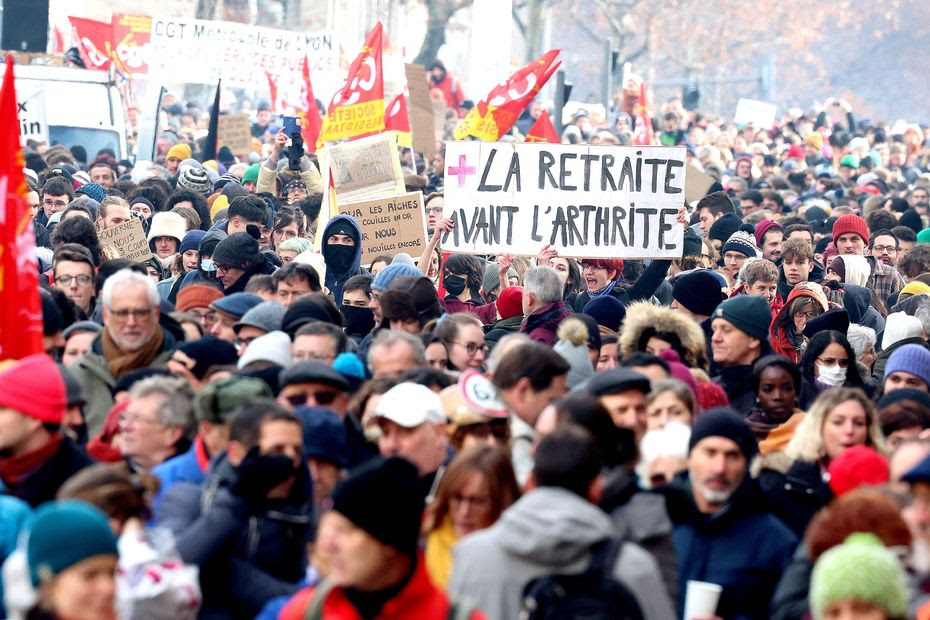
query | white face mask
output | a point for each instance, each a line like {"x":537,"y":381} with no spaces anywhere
{"x":831,"y":375}
{"x":207,"y":264}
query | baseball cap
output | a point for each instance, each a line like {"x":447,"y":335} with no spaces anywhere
{"x":410,"y":405}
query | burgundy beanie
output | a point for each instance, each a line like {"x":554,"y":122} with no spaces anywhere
{"x":33,"y":387}
{"x":762,"y":228}
{"x":850,"y":224}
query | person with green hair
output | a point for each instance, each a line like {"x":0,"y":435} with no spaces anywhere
{"x":860,"y":578}
{"x":292,"y":247}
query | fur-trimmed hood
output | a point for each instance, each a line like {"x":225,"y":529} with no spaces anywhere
{"x":643,"y":317}
{"x":778,"y":461}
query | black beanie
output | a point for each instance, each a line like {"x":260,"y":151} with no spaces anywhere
{"x":341,"y":227}
{"x":691,"y":244}
{"x":698,"y":291}
{"x":384,"y":499}
{"x":724,"y":227}
{"x":52,"y":321}
{"x":239,"y":250}
{"x":724,"y":422}
{"x":207,"y":352}
{"x":308,"y":310}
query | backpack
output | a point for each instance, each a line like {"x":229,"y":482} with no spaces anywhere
{"x":591,"y":595}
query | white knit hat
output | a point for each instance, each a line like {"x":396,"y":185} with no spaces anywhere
{"x":900,"y":325}
{"x":274,"y":347}
{"x":167,"y":224}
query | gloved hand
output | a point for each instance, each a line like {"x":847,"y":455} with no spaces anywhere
{"x":259,"y":473}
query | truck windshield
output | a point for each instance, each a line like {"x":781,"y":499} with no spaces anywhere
{"x":93,"y":140}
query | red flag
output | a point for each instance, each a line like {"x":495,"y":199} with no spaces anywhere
{"x":358,"y":108}
{"x":273,"y":90}
{"x":496,"y":113}
{"x":643,"y":130}
{"x":20,"y":310}
{"x":93,"y":41}
{"x":397,"y":119}
{"x":310,"y":120}
{"x":542,"y":130}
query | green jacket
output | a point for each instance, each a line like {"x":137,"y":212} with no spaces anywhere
{"x":93,"y":373}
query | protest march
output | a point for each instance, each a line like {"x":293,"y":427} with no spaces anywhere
{"x":292,"y":326}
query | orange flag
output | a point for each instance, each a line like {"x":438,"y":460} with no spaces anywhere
{"x":395,"y":117}
{"x":275,"y":104}
{"x":309,"y":114}
{"x":20,"y":309}
{"x":358,"y":108}
{"x":496,"y":113}
{"x":542,"y":130}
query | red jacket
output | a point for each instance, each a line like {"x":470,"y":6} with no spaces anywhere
{"x":778,"y":332}
{"x":452,"y":93}
{"x":419,"y":600}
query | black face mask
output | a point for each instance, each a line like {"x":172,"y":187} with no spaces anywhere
{"x":359,"y":321}
{"x":340,"y":257}
{"x":454,"y":285}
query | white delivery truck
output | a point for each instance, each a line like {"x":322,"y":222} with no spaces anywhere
{"x":64,"y":105}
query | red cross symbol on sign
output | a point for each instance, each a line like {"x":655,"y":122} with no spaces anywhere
{"x":461,"y":171}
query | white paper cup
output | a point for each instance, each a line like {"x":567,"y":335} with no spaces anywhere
{"x":701,"y":599}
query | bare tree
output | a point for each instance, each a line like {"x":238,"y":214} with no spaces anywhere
{"x":439,"y":12}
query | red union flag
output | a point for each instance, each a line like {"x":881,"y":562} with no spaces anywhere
{"x":358,"y":108}
{"x":542,"y":130}
{"x":396,"y":118}
{"x":643,"y":119}
{"x":311,"y":122}
{"x":496,"y":113}
{"x":20,"y":310}
{"x":93,"y":40}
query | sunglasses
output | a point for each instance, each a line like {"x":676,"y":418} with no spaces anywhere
{"x":322,"y":398}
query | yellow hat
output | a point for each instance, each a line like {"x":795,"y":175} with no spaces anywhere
{"x":179,"y":151}
{"x":212,"y":165}
{"x":914,"y":288}
{"x":814,"y":139}
{"x":221,"y":202}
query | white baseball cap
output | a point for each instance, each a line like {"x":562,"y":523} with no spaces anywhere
{"x":410,"y":405}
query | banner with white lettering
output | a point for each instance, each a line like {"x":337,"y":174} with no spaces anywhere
{"x":585,"y":201}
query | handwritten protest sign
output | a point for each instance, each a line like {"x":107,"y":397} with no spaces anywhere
{"x":367,"y":168}
{"x":126,"y":240}
{"x":235,"y":132}
{"x":586,"y":201}
{"x":390,"y":225}
{"x":420,"y":109}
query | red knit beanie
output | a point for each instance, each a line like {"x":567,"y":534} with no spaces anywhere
{"x":850,"y":224}
{"x":855,"y":467}
{"x":196,"y":296}
{"x":34,"y":387}
{"x":763,"y":227}
{"x":510,"y":302}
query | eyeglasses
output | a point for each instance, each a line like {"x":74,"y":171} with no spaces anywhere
{"x":54,"y":203}
{"x":135,"y":418}
{"x":222,"y":268}
{"x":244,"y":342}
{"x":806,"y":315}
{"x":472,"y":347}
{"x":830,"y":361}
{"x":884,"y":248}
{"x":322,"y":398}
{"x":207,"y":318}
{"x":434,"y":210}
{"x":82,"y":280}
{"x":137,"y":313}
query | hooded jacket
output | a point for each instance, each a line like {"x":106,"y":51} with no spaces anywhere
{"x":783,"y":324}
{"x":264,"y":266}
{"x":858,"y":303}
{"x":334,"y":279}
{"x":548,"y":531}
{"x":643,"y":319}
{"x":740,"y":547}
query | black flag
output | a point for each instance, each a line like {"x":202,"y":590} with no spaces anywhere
{"x":209,"y":143}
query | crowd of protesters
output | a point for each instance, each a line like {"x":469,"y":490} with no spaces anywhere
{"x":242,"y":426}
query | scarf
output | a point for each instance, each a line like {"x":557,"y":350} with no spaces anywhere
{"x":606,"y":290}
{"x":121,"y":363}
{"x":15,"y":468}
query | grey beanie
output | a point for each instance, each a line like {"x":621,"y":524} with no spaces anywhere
{"x":266,"y":315}
{"x":196,"y":180}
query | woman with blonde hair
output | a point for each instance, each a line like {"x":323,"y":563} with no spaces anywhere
{"x":796,"y":480}
{"x":473,"y":493}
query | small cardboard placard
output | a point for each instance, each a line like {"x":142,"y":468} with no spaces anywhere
{"x":420,"y":109}
{"x":390,"y":225}
{"x":126,"y":240}
{"x":366,"y":168}
{"x":697,"y":182}
{"x":234,"y":131}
